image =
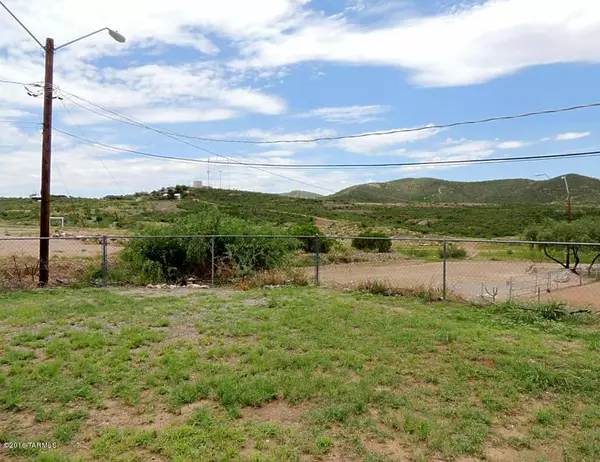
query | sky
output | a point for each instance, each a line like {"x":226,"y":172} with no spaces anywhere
{"x":295,"y":69}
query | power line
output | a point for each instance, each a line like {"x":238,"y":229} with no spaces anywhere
{"x":98,"y":156}
{"x":22,"y":25}
{"x":14,"y":82}
{"x":343,"y":137}
{"x":18,"y":122}
{"x":183,"y":159}
{"x":256,"y":166}
{"x":541,"y":157}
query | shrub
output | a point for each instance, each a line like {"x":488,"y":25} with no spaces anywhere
{"x":276,"y":277}
{"x":388,"y":289}
{"x":173,"y":259}
{"x":308,"y":244}
{"x":373,"y":242}
{"x":453,"y":252}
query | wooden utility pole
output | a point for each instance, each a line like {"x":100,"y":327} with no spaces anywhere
{"x":49,"y":50}
{"x":46,"y":165}
{"x":569,"y":217}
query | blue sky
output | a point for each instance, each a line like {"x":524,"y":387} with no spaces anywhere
{"x":286,"y":69}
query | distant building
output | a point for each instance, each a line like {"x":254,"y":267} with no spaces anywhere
{"x":198,"y":185}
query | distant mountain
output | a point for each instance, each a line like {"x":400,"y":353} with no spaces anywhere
{"x":584,"y":190}
{"x":302,"y":195}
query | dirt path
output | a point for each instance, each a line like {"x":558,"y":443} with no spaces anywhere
{"x":58,"y":248}
{"x":466,"y":278}
{"x":587,"y":296}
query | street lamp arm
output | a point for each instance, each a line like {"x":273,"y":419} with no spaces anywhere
{"x":567,"y":186}
{"x":114,"y":34}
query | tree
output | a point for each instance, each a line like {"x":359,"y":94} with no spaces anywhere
{"x":373,"y":241}
{"x":572,"y":234}
{"x":308,"y":241}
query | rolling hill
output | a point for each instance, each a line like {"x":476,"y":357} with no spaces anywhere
{"x":302,"y":194}
{"x":584,"y":190}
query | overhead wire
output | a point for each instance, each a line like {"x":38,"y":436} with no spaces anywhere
{"x":184,"y":159}
{"x":18,"y":122}
{"x":98,"y":156}
{"x":256,"y":166}
{"x":131,"y":121}
{"x":513,"y":159}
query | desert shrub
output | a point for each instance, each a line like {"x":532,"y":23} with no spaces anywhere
{"x":275,"y":277}
{"x":174,"y":259}
{"x":308,"y":244}
{"x":453,"y":251}
{"x":372,"y":242}
{"x":384,"y":288}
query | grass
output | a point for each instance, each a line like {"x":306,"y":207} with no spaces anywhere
{"x":293,"y":374}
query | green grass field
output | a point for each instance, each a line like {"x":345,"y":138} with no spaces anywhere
{"x":293,"y":374}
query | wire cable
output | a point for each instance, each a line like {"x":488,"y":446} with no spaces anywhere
{"x":23,"y":26}
{"x":14,"y":82}
{"x":354,"y":136}
{"x":256,"y":165}
{"x":344,"y":166}
{"x":98,"y":156}
{"x":18,"y":122}
{"x":186,"y":160}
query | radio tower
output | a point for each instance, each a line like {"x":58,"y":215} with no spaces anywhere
{"x":208,"y":172}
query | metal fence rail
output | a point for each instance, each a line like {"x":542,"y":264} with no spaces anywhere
{"x":471,"y":269}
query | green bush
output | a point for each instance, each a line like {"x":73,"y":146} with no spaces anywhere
{"x":382,"y":242}
{"x":308,"y":244}
{"x":453,"y":251}
{"x":174,"y":259}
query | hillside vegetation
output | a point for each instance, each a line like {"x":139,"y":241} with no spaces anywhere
{"x":513,"y":191}
{"x":302,"y":194}
{"x":483,"y":210}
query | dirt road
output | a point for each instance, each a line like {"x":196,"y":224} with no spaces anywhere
{"x":58,"y":248}
{"x":469,"y":279}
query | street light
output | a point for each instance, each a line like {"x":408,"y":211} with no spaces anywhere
{"x":569,"y":210}
{"x":564,"y":178}
{"x":47,"y":138}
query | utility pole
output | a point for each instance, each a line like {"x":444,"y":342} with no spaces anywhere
{"x":208,"y":173}
{"x":569,"y":217}
{"x":46,"y":164}
{"x":220,"y":179}
{"x":569,"y":210}
{"x":49,"y":50}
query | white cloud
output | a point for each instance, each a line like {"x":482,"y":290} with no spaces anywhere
{"x":467,"y":46}
{"x":458,"y":152}
{"x":572,"y":136}
{"x":147,"y":77}
{"x":512,"y":144}
{"x":380,"y":144}
{"x":78,"y":164}
{"x":275,"y":153}
{"x":348,"y":114}
{"x":273,"y":136}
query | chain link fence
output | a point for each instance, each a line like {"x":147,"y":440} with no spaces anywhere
{"x":474,"y":270}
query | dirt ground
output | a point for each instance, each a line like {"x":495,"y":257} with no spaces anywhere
{"x":587,"y":296}
{"x":469,"y":279}
{"x":58,"y":248}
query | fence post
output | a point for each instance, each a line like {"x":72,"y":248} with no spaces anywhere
{"x":445,"y":269}
{"x":317,"y":252}
{"x":510,"y":289}
{"x":104,"y":243}
{"x":212,"y":261}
